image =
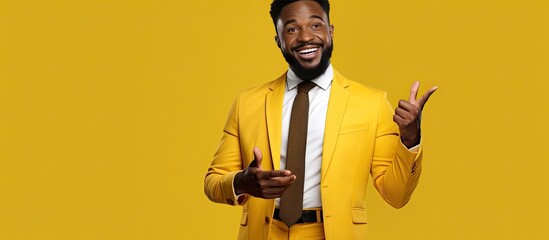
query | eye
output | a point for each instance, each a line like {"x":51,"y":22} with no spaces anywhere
{"x":316,"y":25}
{"x":292,"y":30}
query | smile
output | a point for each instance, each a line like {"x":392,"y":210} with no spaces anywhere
{"x":307,"y":50}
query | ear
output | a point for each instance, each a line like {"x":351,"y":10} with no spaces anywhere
{"x":277,"y":40}
{"x":331,"y":31}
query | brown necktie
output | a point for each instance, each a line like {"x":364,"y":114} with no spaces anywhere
{"x":291,"y":203}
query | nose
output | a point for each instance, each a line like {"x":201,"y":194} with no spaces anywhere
{"x":305,"y":35}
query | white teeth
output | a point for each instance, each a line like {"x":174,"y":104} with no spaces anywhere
{"x":308,"y":50}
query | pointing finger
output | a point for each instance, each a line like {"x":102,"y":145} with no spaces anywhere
{"x":413,"y":92}
{"x":279,"y":181}
{"x":288,"y":180}
{"x":426,"y":96}
{"x":273,"y":174}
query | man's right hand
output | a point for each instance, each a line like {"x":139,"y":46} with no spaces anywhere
{"x":262,"y":184}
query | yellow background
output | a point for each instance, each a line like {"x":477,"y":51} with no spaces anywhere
{"x":110,"y":112}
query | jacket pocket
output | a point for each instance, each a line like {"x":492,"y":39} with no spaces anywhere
{"x":244,"y":219}
{"x":351,"y":128}
{"x":359,"y":216}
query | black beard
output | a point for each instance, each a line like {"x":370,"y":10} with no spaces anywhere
{"x":308,"y":74}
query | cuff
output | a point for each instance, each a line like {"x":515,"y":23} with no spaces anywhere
{"x":410,"y":157}
{"x":232,"y":198}
{"x":413,"y":149}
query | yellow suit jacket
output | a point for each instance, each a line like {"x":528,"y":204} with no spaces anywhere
{"x":360,"y":139}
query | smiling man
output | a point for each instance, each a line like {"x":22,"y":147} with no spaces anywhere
{"x":296,"y":152}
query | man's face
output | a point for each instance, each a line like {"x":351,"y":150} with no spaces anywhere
{"x":304,"y":35}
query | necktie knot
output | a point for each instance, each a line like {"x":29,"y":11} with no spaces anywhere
{"x":305,"y":86}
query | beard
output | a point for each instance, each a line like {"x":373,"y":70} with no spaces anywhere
{"x":308,"y":74}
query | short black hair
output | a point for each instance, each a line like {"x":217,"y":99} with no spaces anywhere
{"x":278,"y":5}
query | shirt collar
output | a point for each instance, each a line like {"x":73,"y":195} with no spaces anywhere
{"x":323,"y":81}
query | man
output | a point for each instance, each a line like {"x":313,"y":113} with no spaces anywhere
{"x":296,"y":152}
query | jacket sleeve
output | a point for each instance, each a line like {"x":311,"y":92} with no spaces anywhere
{"x":395,"y":169}
{"x":227,"y":162}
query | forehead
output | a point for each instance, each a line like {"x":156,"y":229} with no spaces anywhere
{"x":302,"y":10}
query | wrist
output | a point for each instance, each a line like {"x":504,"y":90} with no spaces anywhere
{"x":410,"y":142}
{"x":236,"y":184}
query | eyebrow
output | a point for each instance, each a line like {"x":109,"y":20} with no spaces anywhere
{"x":293,"y":20}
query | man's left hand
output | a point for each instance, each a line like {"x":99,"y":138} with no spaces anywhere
{"x":408,"y":116}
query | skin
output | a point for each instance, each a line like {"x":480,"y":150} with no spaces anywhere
{"x":263,"y":184}
{"x":305,"y":25}
{"x":408,"y":115}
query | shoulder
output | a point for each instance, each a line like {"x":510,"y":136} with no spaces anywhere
{"x":357,"y":89}
{"x":265,"y":88}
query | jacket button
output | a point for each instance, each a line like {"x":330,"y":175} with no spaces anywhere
{"x":267,"y":220}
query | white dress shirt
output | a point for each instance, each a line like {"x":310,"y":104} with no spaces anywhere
{"x":319,"y":97}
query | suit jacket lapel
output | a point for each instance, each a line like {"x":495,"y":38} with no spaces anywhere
{"x":339,"y":97}
{"x":273,"y":103}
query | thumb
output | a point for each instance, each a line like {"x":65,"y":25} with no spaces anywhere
{"x":258,"y":158}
